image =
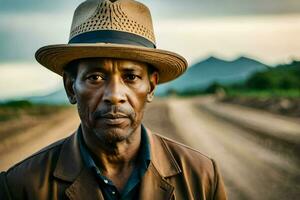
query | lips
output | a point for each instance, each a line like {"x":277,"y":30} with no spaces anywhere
{"x":114,"y":115}
{"x":113,"y":118}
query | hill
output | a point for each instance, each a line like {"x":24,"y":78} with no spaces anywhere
{"x":204,"y":73}
{"x":281,"y":77}
{"x":57,"y":97}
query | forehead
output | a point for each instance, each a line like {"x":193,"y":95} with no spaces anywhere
{"x":110,"y":64}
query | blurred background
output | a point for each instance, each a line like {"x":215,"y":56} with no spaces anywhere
{"x":240,"y":97}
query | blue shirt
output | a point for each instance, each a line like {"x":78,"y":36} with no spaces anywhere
{"x":131,"y":189}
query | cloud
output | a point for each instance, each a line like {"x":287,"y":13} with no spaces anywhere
{"x":31,"y":24}
{"x":22,"y":35}
{"x":26,"y":79}
{"x":267,"y":30}
{"x":270,"y":39}
{"x":217,"y":8}
{"x":30,"y":6}
{"x":167,"y":8}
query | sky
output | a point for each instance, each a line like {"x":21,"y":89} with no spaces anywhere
{"x":266,"y":30}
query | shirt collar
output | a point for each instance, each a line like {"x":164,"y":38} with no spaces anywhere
{"x":144,"y":155}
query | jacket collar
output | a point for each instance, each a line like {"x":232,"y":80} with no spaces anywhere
{"x":85,"y":186}
{"x":69,"y":163}
{"x":161,"y":156}
{"x":162,"y":166}
{"x":70,"y":168}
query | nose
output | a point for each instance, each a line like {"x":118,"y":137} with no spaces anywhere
{"x":114,"y":92}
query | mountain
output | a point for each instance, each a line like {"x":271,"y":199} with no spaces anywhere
{"x":57,"y":97}
{"x":204,"y":73}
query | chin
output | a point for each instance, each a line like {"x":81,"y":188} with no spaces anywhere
{"x":113,"y":135}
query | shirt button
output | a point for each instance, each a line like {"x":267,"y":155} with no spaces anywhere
{"x":105,"y":181}
{"x":113,"y":192}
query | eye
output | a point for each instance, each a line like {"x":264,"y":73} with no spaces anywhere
{"x":131,"y":77}
{"x":95,"y":77}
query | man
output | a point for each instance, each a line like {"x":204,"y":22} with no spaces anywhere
{"x":110,"y":70}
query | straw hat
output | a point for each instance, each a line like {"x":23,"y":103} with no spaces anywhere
{"x":112,"y":29}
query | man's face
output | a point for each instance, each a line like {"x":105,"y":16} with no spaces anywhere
{"x":111,"y":95}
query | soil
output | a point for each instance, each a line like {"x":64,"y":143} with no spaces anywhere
{"x":283,"y":106}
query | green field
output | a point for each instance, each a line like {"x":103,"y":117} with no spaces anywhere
{"x":13,"y":110}
{"x":273,"y":93}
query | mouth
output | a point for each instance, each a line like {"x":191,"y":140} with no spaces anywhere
{"x":113,"y":119}
{"x":114,"y":115}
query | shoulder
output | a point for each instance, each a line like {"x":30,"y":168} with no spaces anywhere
{"x":183,"y":151}
{"x":199,"y":172}
{"x":189,"y":159}
{"x":35,"y":167}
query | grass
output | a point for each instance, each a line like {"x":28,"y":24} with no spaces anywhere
{"x":290,"y":93}
{"x":238,"y":92}
{"x":15,"y":109}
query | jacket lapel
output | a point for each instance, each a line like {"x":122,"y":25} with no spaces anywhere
{"x":162,"y":166}
{"x":153,"y":186}
{"x":84,"y":187}
{"x":69,"y":163}
{"x":161,"y":156}
{"x":70,"y":168}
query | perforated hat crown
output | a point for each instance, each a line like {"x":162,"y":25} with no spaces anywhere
{"x":106,"y":15}
{"x":120,"y":29}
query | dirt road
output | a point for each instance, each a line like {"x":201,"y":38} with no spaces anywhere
{"x":252,"y":167}
{"x":15,"y":149}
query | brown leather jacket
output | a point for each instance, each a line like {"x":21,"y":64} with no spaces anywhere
{"x":57,"y":172}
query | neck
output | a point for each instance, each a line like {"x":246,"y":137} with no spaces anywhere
{"x":115,"y":157}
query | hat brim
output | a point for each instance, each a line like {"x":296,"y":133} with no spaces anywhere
{"x":55,"y":57}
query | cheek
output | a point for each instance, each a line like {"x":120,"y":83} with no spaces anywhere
{"x":139,"y":100}
{"x":86,"y":101}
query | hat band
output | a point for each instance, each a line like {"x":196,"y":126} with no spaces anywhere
{"x":109,"y":36}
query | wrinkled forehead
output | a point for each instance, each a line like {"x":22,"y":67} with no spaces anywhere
{"x":110,"y":65}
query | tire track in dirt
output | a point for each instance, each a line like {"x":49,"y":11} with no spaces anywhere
{"x":250,"y":170}
{"x":157,"y":118}
{"x":17,"y":148}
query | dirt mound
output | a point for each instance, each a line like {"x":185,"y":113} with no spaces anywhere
{"x":283,"y":106}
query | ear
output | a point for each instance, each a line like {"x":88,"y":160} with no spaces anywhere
{"x":153,"y":80}
{"x":69,"y":87}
